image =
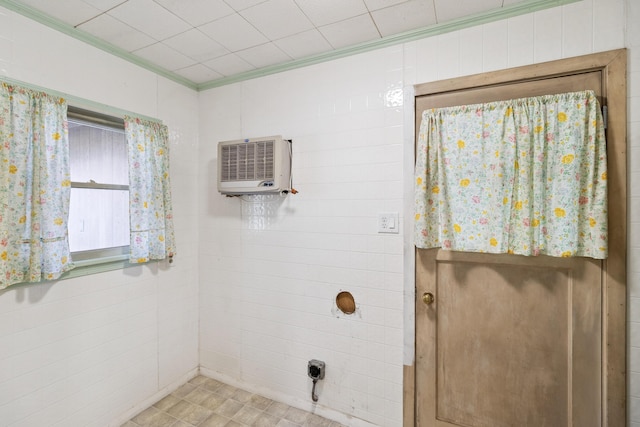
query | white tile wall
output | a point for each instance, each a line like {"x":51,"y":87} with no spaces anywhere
{"x":269,"y":269}
{"x":547,"y":33}
{"x":577,"y":28}
{"x":254,"y":282}
{"x":94,"y":350}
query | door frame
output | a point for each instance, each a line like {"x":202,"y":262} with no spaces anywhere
{"x":612,"y":64}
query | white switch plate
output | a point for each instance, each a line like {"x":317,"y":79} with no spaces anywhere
{"x":388,"y":222}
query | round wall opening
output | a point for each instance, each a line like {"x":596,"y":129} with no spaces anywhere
{"x":345,"y":302}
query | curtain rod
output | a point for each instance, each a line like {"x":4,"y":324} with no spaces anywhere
{"x":78,"y":102}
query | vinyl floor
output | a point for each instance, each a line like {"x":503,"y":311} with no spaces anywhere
{"x":205,"y":402}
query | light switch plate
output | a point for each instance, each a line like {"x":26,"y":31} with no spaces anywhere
{"x":388,"y":222}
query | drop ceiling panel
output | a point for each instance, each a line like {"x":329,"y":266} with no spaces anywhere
{"x":196,"y":45}
{"x":199,"y":73}
{"x":234,"y":33}
{"x":197,"y":12}
{"x":381,"y":4}
{"x":330,"y":11}
{"x":150,"y":18}
{"x":239,"y":5}
{"x":351,"y":31}
{"x":104,"y":5}
{"x":304,"y":44}
{"x":277,"y":18}
{"x":404,"y":17}
{"x":229,"y":65}
{"x":448,"y":10}
{"x":264,"y":55}
{"x":117,"y":33}
{"x":165,"y":57}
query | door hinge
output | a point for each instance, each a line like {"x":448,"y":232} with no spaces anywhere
{"x":605,"y":115}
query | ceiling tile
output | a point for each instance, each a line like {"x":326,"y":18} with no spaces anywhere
{"x":404,"y":17}
{"x":304,"y":44}
{"x":104,"y":5}
{"x":264,"y":55}
{"x":150,"y":18}
{"x":233,"y":32}
{"x":242,"y":4}
{"x":196,"y":45}
{"x":162,"y":55}
{"x":199,"y":73}
{"x":323,"y":12}
{"x":381,"y":4}
{"x":197,"y":12}
{"x":229,"y":64}
{"x":446,"y":10}
{"x":72,"y":12}
{"x":117,"y":33}
{"x":277,"y":18}
{"x":350,"y":31}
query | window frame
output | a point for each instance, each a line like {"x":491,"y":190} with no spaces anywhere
{"x":104,"y":259}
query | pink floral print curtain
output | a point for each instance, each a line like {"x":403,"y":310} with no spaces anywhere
{"x":525,"y":176}
{"x":150,"y":211}
{"x":35,"y":186}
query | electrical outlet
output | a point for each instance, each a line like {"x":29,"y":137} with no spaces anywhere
{"x":388,"y":222}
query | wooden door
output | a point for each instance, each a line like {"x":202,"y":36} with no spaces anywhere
{"x":523,"y":341}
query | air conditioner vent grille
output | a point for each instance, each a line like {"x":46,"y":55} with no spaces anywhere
{"x":247,"y":161}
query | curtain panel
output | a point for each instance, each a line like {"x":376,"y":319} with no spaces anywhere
{"x":36,"y":186}
{"x":525,"y":176}
{"x":150,"y":209}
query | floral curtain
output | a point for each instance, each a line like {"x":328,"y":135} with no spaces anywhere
{"x":525,"y":176}
{"x":150,"y":212}
{"x":35,"y":190}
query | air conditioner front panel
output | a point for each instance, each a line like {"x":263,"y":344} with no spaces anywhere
{"x":247,"y":161}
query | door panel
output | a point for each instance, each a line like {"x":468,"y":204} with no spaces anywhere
{"x":517,"y":340}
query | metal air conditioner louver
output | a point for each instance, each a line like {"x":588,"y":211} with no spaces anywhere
{"x":254,"y":166}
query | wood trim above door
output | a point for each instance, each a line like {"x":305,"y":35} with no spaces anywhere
{"x":612,"y":65}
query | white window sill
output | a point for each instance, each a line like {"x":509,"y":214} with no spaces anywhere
{"x":98,"y":265}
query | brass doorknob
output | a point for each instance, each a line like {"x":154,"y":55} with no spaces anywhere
{"x":428,"y":298}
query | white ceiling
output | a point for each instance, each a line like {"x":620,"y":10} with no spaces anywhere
{"x":206,"y":40}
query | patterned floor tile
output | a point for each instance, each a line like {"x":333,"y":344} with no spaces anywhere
{"x":205,"y":402}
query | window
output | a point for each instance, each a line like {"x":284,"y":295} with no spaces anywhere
{"x":99,"y":206}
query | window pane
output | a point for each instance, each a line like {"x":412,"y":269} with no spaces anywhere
{"x":97,"y":153}
{"x":98,"y":219}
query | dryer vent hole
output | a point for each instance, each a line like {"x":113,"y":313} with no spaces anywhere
{"x":345,"y":302}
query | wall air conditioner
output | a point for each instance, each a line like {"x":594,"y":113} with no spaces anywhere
{"x":254,"y":166}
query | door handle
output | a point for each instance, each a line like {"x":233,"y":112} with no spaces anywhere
{"x":428,"y":298}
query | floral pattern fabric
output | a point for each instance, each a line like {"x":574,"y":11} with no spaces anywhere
{"x":150,"y":210}
{"x":35,"y":186}
{"x":525,"y":176}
